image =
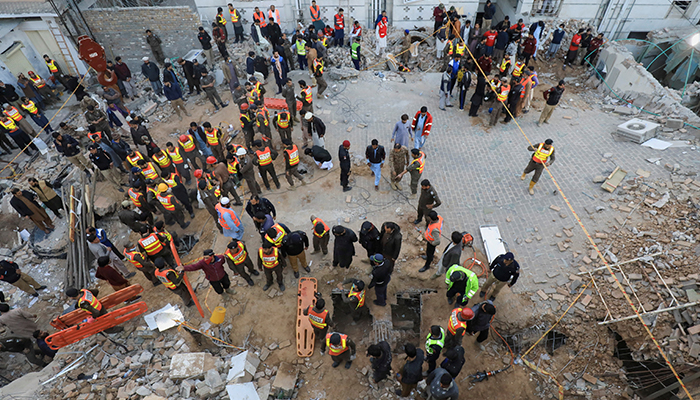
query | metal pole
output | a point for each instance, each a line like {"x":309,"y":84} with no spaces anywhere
{"x":686,"y":305}
{"x":687,"y":74}
{"x":621,"y":263}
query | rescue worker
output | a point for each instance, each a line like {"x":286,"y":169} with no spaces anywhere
{"x":461,"y":281}
{"x":247,"y":171}
{"x":432,"y":236}
{"x":291,"y":162}
{"x":228,"y":219}
{"x":501,"y":93}
{"x":306,"y":97}
{"x":483,"y":313}
{"x":172,"y":180}
{"x":338,"y":345}
{"x":322,"y":235}
{"x":265,"y":156}
{"x":209,"y":198}
{"x":247,"y":125}
{"x":276,"y":234}
{"x":262,"y":122}
{"x":171,"y":205}
{"x":87,"y":300}
{"x":155,"y":246}
{"x":504,"y":66}
{"x":214,"y":272}
{"x":163,"y":161}
{"x":415,"y":168}
{"x":355,"y":298}
{"x":457,"y":326}
{"x":170,"y":278}
{"x":317,"y":68}
{"x":175,"y":154}
{"x":149,"y":170}
{"x":319,"y":317}
{"x":190,"y":151}
{"x":140,"y":202}
{"x":295,"y":245}
{"x":543,"y":155}
{"x":272,"y":259}
{"x":239,"y":260}
{"x":214,"y":138}
{"x":227,"y":187}
{"x":283,"y":123}
{"x":138,"y":260}
{"x":434,"y":344}
{"x":14,"y":114}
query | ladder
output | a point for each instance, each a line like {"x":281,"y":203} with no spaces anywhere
{"x":63,"y":45}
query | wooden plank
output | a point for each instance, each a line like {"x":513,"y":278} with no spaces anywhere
{"x":304,"y":329}
{"x":615,"y":178}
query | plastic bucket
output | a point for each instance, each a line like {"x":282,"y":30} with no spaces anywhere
{"x":217,"y":316}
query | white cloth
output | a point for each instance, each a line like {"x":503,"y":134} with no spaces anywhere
{"x":440,"y":47}
{"x":325,"y":165}
{"x":381,"y":42}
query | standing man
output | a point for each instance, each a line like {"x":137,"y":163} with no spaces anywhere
{"x":484,"y":313}
{"x":155,"y":43}
{"x":338,"y":345}
{"x":95,"y":116}
{"x":543,"y":155}
{"x":171,"y":205}
{"x":214,"y":137}
{"x":489,"y":12}
{"x":344,"y":158}
{"x":390,"y":241}
{"x":317,"y":68}
{"x":265,"y":156}
{"x":573,"y":48}
{"x":412,"y":371}
{"x":213,"y":267}
{"x":552,"y":97}
{"x":415,"y":168}
{"x":272,"y":259}
{"x":421,"y":125}
{"x":279,"y":69}
{"x":356,"y":51}
{"x":291,"y":163}
{"x":432,"y":237}
{"x":321,"y":235}
{"x":399,"y":160}
{"x":402,"y":132}
{"x":105,"y":165}
{"x":124,"y":76}
{"x":557,"y":37}
{"x":434,"y":344}
{"x":70,"y":148}
{"x":501,"y":93}
{"x":381,"y":31}
{"x":529,"y":83}
{"x":169,"y":277}
{"x":239,"y":260}
{"x":452,"y":254}
{"x":173,"y":93}
{"x":592,"y":48}
{"x":152,"y":72}
{"x":156,"y":247}
{"x":380,"y":360}
{"x":229,"y":221}
{"x":10,"y":273}
{"x":428,"y":200}
{"x":205,"y":40}
{"x":188,"y":70}
{"x":24,"y":202}
{"x":343,"y":246}
{"x":381,"y":276}
{"x":290,"y":98}
{"x":457,"y":326}
{"x":207,"y":82}
{"x":339,"y":25}
{"x":247,"y":171}
{"x":237,"y":23}
{"x":503,"y":269}
{"x":141,"y":263}
{"x":283,"y":125}
{"x":316,"y":17}
{"x":47,"y":195}
{"x":375,"y":155}
{"x":295,"y":246}
{"x":226,"y":184}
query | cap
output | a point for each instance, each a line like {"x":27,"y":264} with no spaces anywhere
{"x":135,"y":169}
{"x":225,"y":200}
{"x":509,"y":256}
{"x":467,"y":313}
{"x":378,"y":258}
{"x":144,"y":59}
{"x":346,"y":143}
{"x":208,"y":252}
{"x":405,"y":31}
{"x":72,"y":292}
{"x":183,"y":138}
{"x":126,"y":203}
{"x":211,"y":160}
{"x":162,"y":187}
{"x":308,"y":115}
{"x":241,"y":152}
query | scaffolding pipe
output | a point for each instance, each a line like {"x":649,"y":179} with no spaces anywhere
{"x":621,"y":263}
{"x":686,"y":305}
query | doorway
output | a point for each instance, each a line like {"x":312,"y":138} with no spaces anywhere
{"x":15,"y":60}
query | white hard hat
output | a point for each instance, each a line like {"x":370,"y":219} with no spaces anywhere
{"x":224,"y":200}
{"x":241,"y":152}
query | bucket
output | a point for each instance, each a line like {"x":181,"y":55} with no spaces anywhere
{"x":218,"y":315}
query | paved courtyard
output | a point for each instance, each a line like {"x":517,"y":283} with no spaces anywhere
{"x":477,"y":171}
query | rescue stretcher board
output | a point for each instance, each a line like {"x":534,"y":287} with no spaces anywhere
{"x":111,"y":300}
{"x":493,"y":243}
{"x":278,"y":104}
{"x":305,"y":331}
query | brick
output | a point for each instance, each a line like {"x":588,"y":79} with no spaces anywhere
{"x":694,"y":330}
{"x":555,"y":208}
{"x":586,"y":300}
{"x":590,"y":378}
{"x":542,"y":294}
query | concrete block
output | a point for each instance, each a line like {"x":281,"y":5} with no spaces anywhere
{"x":284,"y":382}
{"x":243,"y":367}
{"x":190,"y":365}
{"x":243,"y":391}
{"x":674,"y":123}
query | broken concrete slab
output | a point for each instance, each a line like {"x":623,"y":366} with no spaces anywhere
{"x":285,"y":380}
{"x":243,"y":367}
{"x":191,"y":365}
{"x":242,"y":391}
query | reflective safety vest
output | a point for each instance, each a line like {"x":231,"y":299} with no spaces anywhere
{"x":38,"y":82}
{"x":162,"y":275}
{"x":460,"y":48}
{"x":131,"y":256}
{"x":260,"y":16}
{"x":220,"y":19}
{"x":518,"y":69}
{"x":274,"y":14}
{"x":175,"y":155}
{"x":170,"y":180}
{"x":221,"y":210}
{"x":162,"y":159}
{"x":13,"y":114}
{"x":164,"y":233}
{"x":318,"y":319}
{"x":30,"y":107}
{"x":233,"y":167}
{"x":134,"y":160}
{"x":293,"y":155}
{"x":282,"y":120}
{"x":279,"y":236}
{"x":188,"y":144}
{"x":472,"y":281}
{"x":151,"y":244}
{"x":252,"y":95}
{"x":503,"y":94}
{"x":315,"y":13}
{"x":149,"y":171}
{"x":9,"y":125}
{"x":495,"y":83}
{"x":433,"y":225}
{"x":52,"y":66}
{"x":166,"y":201}
{"x":318,"y":67}
{"x":326,"y":229}
{"x":89,"y":298}
{"x":324,"y":41}
{"x":355,"y":51}
{"x":336,"y":350}
{"x":541,"y":154}
{"x":301,"y":47}
{"x":237,"y":255}
{"x":421,"y":162}
{"x":338,"y":22}
{"x":212,"y":137}
{"x":429,"y":341}
{"x":505,"y":65}
{"x":270,"y":261}
{"x":264,"y":156}
{"x":360,"y":297}
{"x":234,"y":15}
{"x":262,"y":112}
{"x":455,"y":323}
{"x":307,"y":95}
{"x":95,"y":137}
{"x":245,"y":118}
{"x":258,"y":88}
{"x":135,"y":197}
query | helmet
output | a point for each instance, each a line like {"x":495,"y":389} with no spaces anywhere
{"x":198,"y":173}
{"x":244,"y":106}
{"x":211,"y":160}
{"x":162,"y":187}
{"x":467,"y":314}
{"x":183,"y":138}
{"x":467,"y":239}
{"x":241,"y":151}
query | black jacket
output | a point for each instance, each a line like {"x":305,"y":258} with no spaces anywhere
{"x":344,"y":158}
{"x":101,"y":159}
{"x":380,"y":275}
{"x":504,"y":272}
{"x":19,"y":205}
{"x":481,"y":320}
{"x":8,"y":93}
{"x":391,"y":242}
{"x":264,"y":206}
{"x":370,"y":238}
{"x":344,"y":247}
{"x":8,"y":271}
{"x":151,"y":71}
{"x":122,"y":149}
{"x":451,"y":257}
{"x":320,"y":154}
{"x":188,"y":69}
{"x":317,"y":126}
{"x":382,"y":364}
{"x":275,"y":34}
{"x":553,"y":95}
{"x":454,"y":366}
{"x":412,"y":371}
{"x":295,"y":243}
{"x":205,"y":41}
{"x":64,"y":148}
{"x":478,"y":96}
{"x":375,"y":156}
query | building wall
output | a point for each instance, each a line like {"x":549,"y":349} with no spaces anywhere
{"x":122,"y":31}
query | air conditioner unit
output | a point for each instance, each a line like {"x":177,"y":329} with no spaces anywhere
{"x":637,"y":130}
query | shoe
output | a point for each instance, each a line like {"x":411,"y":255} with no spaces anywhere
{"x":224,"y":105}
{"x":539,"y":123}
{"x":231,"y":291}
{"x":35,"y":294}
{"x":492,"y":298}
{"x":416,"y":222}
{"x":121,"y":190}
{"x":267,"y":286}
{"x":450,"y":300}
{"x":131,"y":301}
{"x":250,"y":282}
{"x":398,"y":392}
{"x":296,"y":275}
{"x":156,"y":283}
{"x":307,"y":269}
{"x":192,"y":215}
{"x":131,"y":275}
{"x":546,"y":122}
{"x":425,"y":268}
{"x":347,"y":189}
{"x":278,"y":186}
{"x":424,"y":257}
{"x":377,"y":303}
{"x":267,"y":188}
{"x":526,"y":111}
{"x":522,"y":177}
{"x":376,"y":188}
{"x":42,"y":287}
{"x":185,"y":226}
{"x":296,"y":119}
{"x":282,"y":287}
{"x":238,"y":204}
{"x":531,"y":191}
{"x":216,"y":108}
{"x":482,"y":294}
{"x":435,"y":276}
{"x":335,"y":364}
{"x":255,"y":273}
{"x":348,"y":365}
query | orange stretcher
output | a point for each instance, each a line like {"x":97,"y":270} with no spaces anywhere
{"x":111,"y":300}
{"x":278,"y":104}
{"x":305,"y":331}
{"x":109,"y":320}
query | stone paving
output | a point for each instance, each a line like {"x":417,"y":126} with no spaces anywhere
{"x":477,"y":171}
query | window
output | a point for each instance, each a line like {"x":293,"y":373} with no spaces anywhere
{"x":546,"y":7}
{"x":682,"y":4}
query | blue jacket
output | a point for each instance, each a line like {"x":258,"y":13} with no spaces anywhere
{"x":502,"y":40}
{"x":558,"y":35}
{"x":172,"y":92}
